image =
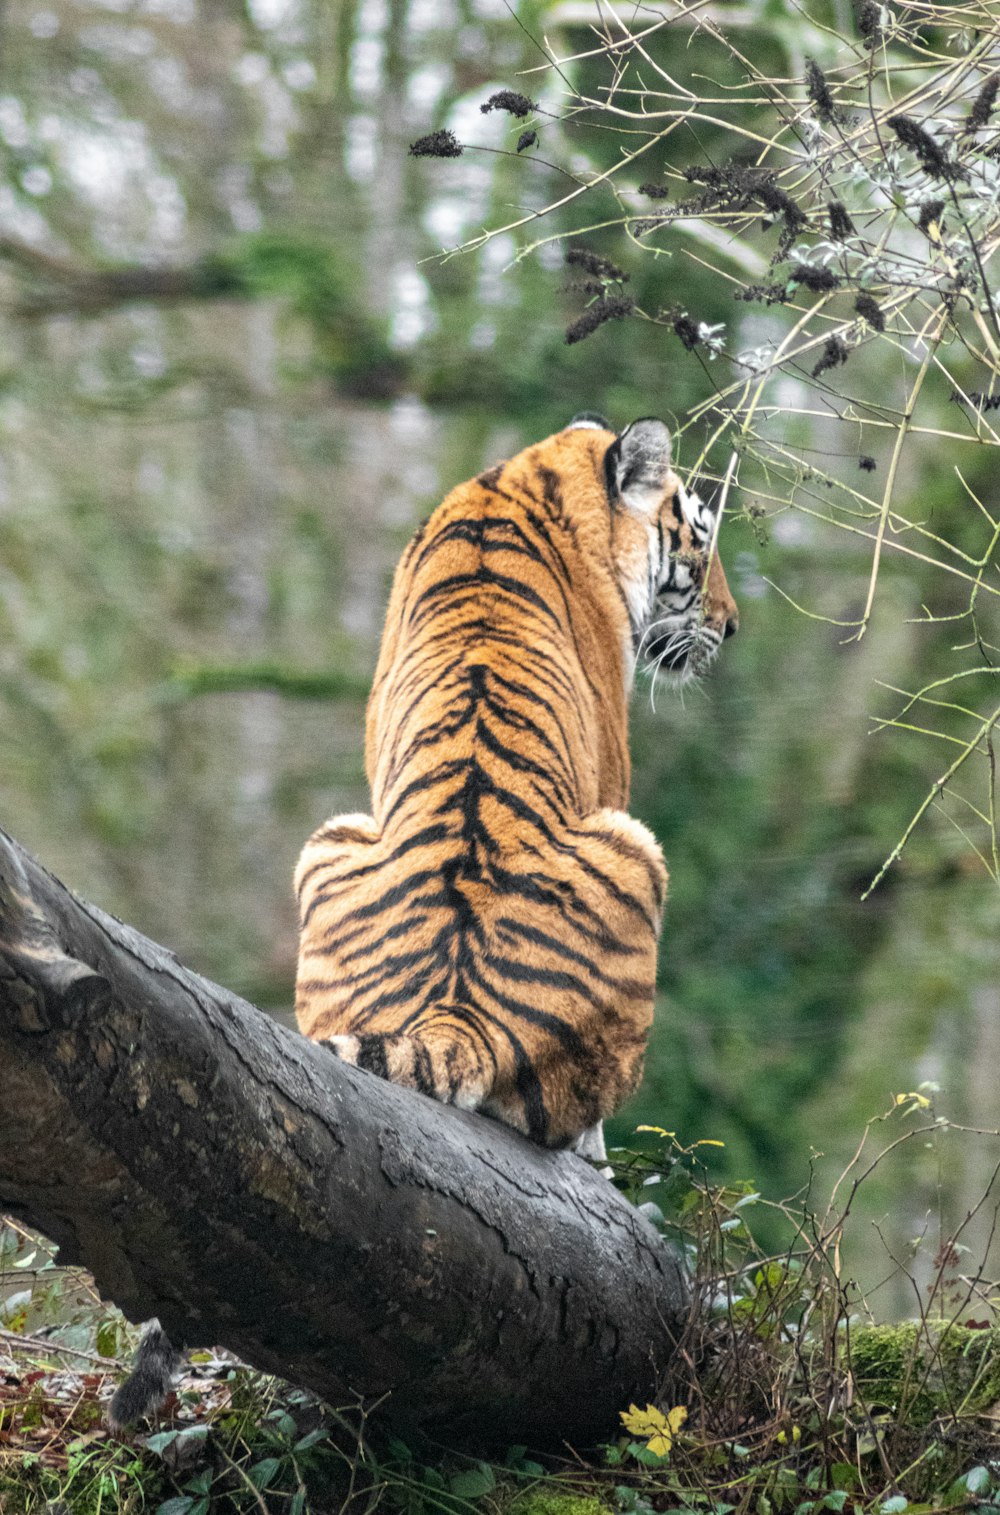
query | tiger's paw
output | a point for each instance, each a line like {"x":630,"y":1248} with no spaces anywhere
{"x":346,"y":1048}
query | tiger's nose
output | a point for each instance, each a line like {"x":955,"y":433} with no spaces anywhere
{"x":732,"y":627}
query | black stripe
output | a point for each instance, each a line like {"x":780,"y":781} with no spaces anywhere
{"x":371,"y":1054}
{"x":482,"y":578}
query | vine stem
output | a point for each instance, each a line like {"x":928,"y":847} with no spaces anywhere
{"x":902,"y":432}
{"x":936,"y":789}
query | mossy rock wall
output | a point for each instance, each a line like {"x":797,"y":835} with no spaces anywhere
{"x":920,"y":1370}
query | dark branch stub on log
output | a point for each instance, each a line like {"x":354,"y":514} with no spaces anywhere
{"x":214,"y":1169}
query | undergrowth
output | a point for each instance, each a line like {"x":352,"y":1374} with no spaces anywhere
{"x":787,"y":1397}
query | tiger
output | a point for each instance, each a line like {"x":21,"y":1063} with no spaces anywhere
{"x":487,"y":935}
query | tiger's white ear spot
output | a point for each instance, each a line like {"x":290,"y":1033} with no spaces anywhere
{"x":588,"y":418}
{"x":639,"y":465}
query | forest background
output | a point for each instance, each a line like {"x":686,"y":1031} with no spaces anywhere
{"x":235,"y":373}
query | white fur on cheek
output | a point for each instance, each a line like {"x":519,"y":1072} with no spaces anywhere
{"x":638,"y":580}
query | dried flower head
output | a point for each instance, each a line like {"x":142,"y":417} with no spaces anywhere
{"x":869,"y":310}
{"x":870,"y":22}
{"x":593,"y":263}
{"x":607,"y":308}
{"x":930,"y":215}
{"x":819,"y":92}
{"x":778,"y":203}
{"x":978,"y":398}
{"x":687,"y":330}
{"x":526,"y":139}
{"x":738,"y":185}
{"x":815,"y":277}
{"x":439,"y":144}
{"x":933,"y":158}
{"x":509,"y":100}
{"x":982,"y":105}
{"x":835,"y":352}
{"x":841,"y":225}
{"x":654,"y":191}
{"x":770,"y":294}
{"x":867,"y":464}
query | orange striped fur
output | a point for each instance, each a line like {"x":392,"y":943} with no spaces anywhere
{"x":488,"y":934}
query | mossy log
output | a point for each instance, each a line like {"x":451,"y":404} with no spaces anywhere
{"x":225,"y":1174}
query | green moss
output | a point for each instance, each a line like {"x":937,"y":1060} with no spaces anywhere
{"x":545,"y":1502}
{"x":925,"y":1370}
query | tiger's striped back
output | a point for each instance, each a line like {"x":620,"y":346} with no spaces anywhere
{"x":488,"y":934}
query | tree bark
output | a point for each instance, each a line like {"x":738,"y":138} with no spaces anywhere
{"x":214,"y":1169}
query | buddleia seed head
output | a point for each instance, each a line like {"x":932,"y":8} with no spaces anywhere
{"x":933,"y":158}
{"x":608,"y":308}
{"x":593,"y":263}
{"x":835,"y":352}
{"x":930,"y":214}
{"x":439,"y":144}
{"x":509,"y":100}
{"x":869,"y":310}
{"x":982,"y":105}
{"x":819,"y":92}
{"x":841,"y":225}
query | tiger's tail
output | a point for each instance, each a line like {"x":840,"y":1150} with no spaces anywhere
{"x":150,"y":1380}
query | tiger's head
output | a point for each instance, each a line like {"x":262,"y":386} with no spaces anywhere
{"x":680,"y":609}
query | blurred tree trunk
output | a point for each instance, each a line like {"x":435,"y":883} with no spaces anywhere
{"x":232,"y":1178}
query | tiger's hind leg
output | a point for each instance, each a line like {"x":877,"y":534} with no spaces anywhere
{"x":338,"y":841}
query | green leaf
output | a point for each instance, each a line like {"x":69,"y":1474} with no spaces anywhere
{"x":263,"y":1473}
{"x":160,"y":1441}
{"x":835,"y":1500}
{"x":107,"y":1338}
{"x":514,"y":1456}
{"x":977,"y":1480}
{"x":180,"y":1505}
{"x":844,"y":1476}
{"x":193,"y":1433}
{"x":432,"y":1479}
{"x":200,"y":1507}
{"x":298,"y":1503}
{"x":309,"y":1440}
{"x":399,"y":1450}
{"x":474,"y":1483}
{"x":896,"y":1505}
{"x":640,"y":1451}
{"x":201,"y":1483}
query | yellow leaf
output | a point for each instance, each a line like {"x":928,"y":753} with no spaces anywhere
{"x":656,"y":1130}
{"x":651,"y":1423}
{"x":647,"y":1422}
{"x":707,"y":1143}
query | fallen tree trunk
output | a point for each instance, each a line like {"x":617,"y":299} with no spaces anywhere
{"x":225,"y":1174}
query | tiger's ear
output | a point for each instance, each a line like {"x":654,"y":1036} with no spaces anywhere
{"x":638,"y":463}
